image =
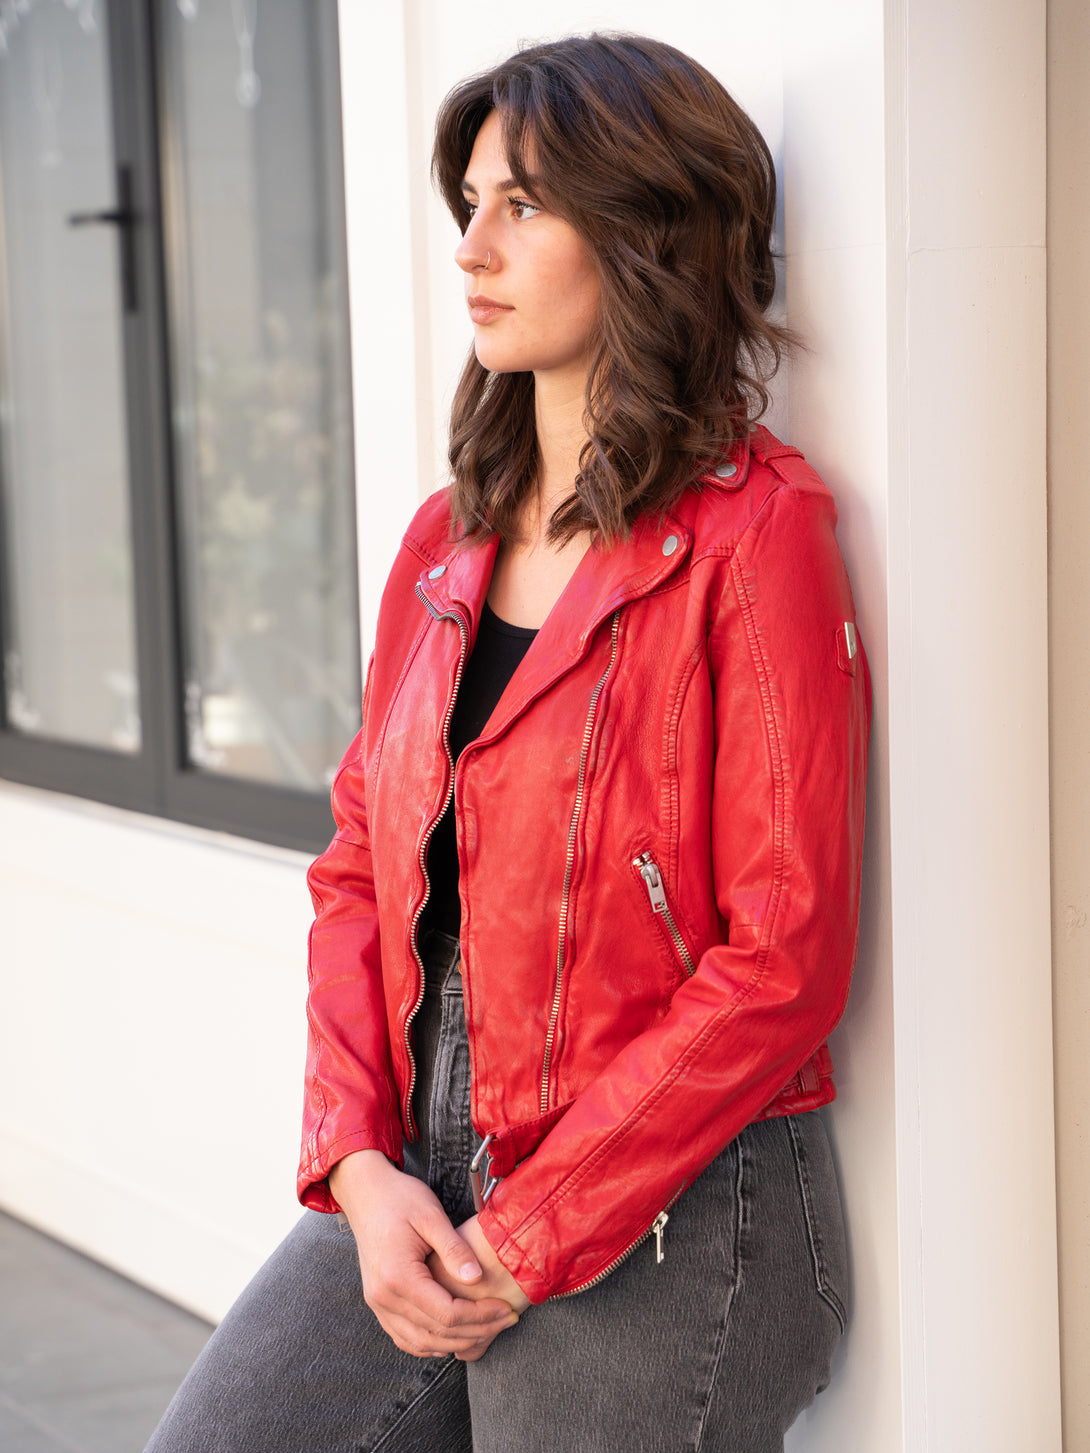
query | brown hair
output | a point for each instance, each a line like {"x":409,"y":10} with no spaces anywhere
{"x":673,"y":189}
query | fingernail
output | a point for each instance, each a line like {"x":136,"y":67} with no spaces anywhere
{"x":470,"y":1270}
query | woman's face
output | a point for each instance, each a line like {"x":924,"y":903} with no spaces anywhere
{"x":531,"y":285}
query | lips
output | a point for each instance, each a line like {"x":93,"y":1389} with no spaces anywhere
{"x":486,"y":310}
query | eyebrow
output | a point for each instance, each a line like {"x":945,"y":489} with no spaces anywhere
{"x":508,"y":184}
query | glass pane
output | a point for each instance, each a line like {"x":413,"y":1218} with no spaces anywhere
{"x":69,"y":648}
{"x":260,"y":379}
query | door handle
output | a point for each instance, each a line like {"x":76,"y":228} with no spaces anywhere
{"x":84,"y":219}
{"x":123,"y":217}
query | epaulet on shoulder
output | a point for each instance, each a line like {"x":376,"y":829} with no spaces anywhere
{"x":758,"y":446}
{"x":766,"y":448}
{"x":784,"y":460}
{"x":429,"y":531}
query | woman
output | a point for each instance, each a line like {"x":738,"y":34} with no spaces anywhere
{"x":590,"y":912}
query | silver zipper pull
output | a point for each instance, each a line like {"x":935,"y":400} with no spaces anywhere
{"x":658,"y":1226}
{"x":649,"y":872}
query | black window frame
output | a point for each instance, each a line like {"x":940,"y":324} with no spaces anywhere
{"x":159,"y":780}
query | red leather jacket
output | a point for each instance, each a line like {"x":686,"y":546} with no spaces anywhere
{"x":659,"y":833}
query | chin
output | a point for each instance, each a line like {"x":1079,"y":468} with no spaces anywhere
{"x":498,"y":360}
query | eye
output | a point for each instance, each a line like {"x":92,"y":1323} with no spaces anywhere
{"x":522,"y":208}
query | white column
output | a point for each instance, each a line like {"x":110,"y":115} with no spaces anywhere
{"x":968,"y":711}
{"x":914,"y":179}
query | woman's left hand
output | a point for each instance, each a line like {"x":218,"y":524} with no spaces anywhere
{"x":497,"y":1281}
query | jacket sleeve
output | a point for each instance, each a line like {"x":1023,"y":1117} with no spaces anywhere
{"x":350,"y":1102}
{"x":791,"y":725}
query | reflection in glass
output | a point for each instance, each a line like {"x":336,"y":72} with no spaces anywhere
{"x":69,"y":650}
{"x":260,"y":385}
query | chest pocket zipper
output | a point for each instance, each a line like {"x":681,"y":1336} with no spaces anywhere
{"x":648,"y":870}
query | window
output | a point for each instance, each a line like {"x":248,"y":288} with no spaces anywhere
{"x":179,"y":616}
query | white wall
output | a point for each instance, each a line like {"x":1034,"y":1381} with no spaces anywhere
{"x":914,"y":230}
{"x":151,"y":1044}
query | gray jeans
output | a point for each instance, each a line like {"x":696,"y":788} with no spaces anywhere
{"x":719,"y":1347}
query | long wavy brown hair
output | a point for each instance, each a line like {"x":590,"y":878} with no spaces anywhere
{"x":673,"y":189}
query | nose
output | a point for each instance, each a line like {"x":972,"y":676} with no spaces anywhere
{"x":472,"y":253}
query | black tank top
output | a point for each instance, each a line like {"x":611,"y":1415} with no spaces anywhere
{"x":496,"y":654}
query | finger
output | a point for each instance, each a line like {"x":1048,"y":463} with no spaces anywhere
{"x":461,"y":1320}
{"x":452,"y":1249}
{"x":433,"y":1312}
{"x":481,"y":1346}
{"x":437,"y":1307}
{"x":476,"y":1352}
{"x":420,"y":1343}
{"x":476,"y":1349}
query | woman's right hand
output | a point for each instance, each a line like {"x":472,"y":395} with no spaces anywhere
{"x":398,"y":1223}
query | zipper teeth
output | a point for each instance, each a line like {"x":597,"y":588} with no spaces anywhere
{"x":667,"y":916}
{"x":679,"y":943}
{"x":569,"y":864}
{"x":422,"y":852}
{"x":615,"y":1263}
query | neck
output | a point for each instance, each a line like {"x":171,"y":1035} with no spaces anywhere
{"x":558,"y":411}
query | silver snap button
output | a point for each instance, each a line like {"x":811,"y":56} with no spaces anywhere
{"x":728,"y":470}
{"x":435,"y":574}
{"x":669,"y":545}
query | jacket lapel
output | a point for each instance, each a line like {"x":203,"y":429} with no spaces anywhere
{"x":459,"y":581}
{"x":603,"y":582}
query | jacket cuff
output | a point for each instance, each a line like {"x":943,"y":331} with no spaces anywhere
{"x":312,"y":1185}
{"x":514,"y":1258}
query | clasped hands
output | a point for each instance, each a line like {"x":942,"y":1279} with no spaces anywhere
{"x":435,"y":1289}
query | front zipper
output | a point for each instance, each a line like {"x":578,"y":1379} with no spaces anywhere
{"x":422,"y":852}
{"x":656,"y":1229}
{"x":648,"y":870}
{"x":569,"y":863}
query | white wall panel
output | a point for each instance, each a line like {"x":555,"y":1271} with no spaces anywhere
{"x":151,"y":1044}
{"x":834,"y":185}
